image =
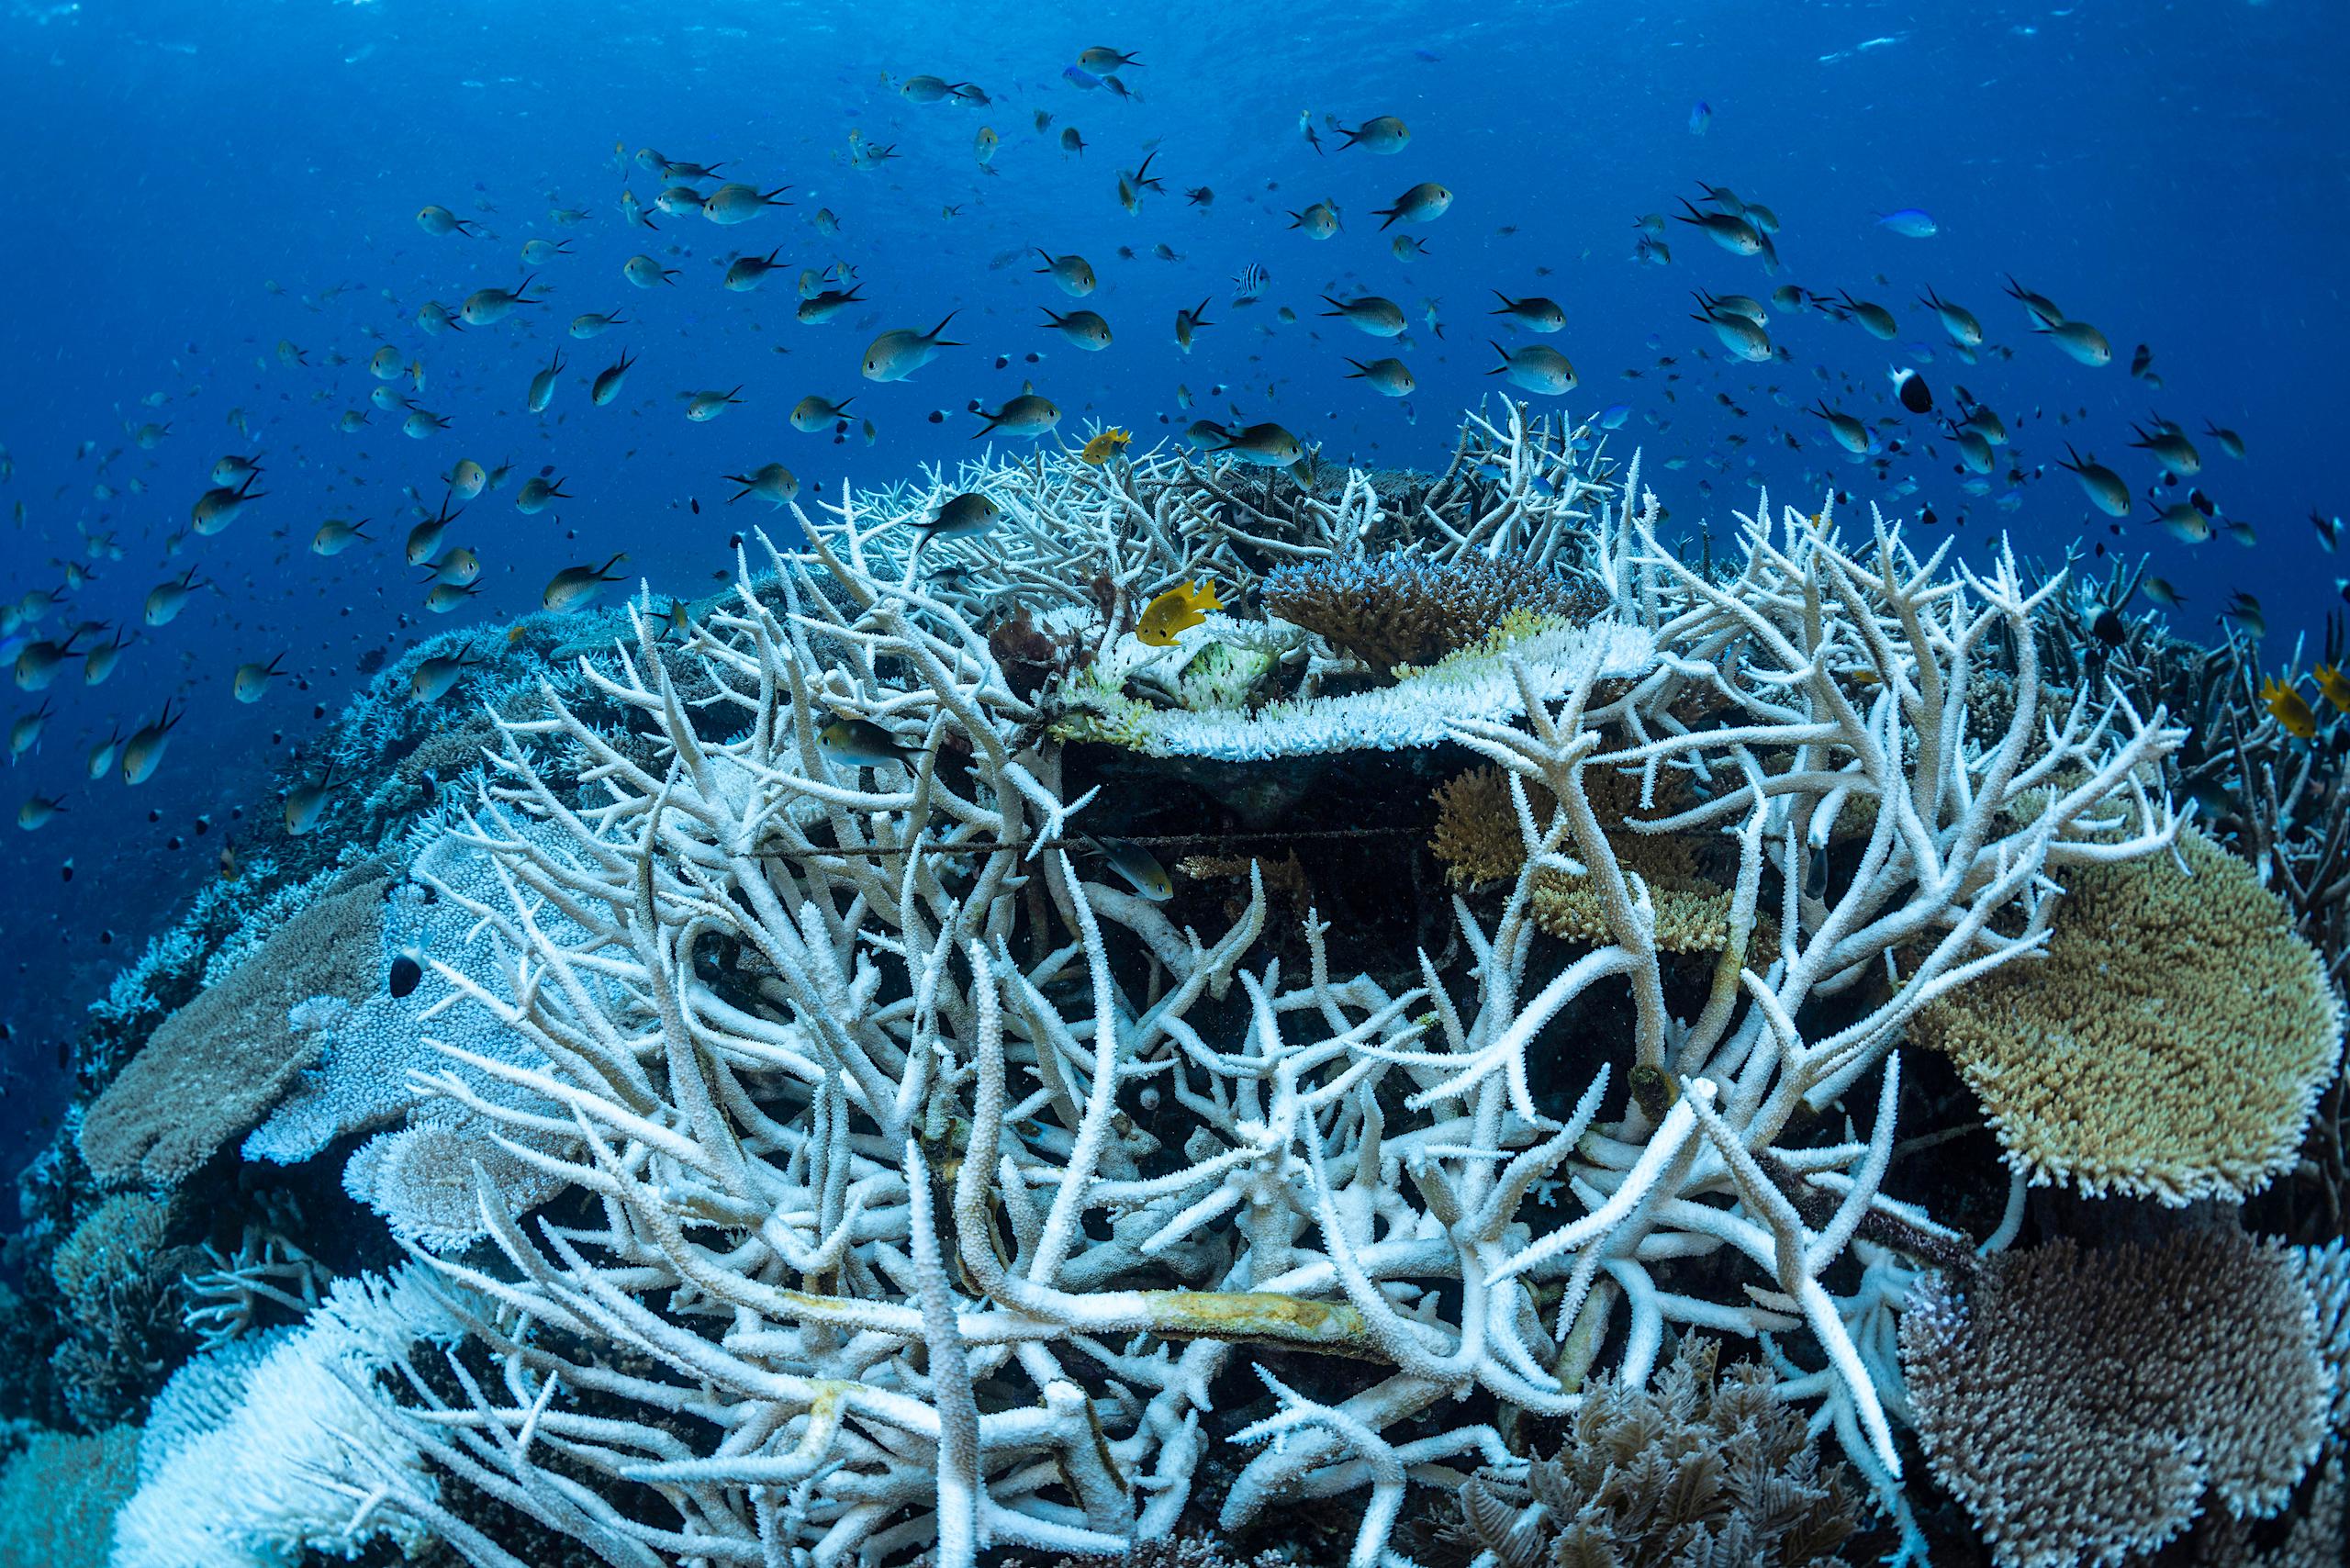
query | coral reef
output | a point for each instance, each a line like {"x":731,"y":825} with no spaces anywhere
{"x":1694,"y":1470}
{"x":937,"y":1184}
{"x":1480,"y":838}
{"x":110,"y":1249}
{"x":1478,"y":834}
{"x":2171,"y":1039}
{"x":375,"y":1050}
{"x":2081,"y":1405}
{"x":1060,"y":1109}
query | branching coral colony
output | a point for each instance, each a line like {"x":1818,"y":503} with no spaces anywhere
{"x":942,"y":1183}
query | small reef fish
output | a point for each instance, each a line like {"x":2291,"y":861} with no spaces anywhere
{"x":307,"y":802}
{"x":1072,"y":274}
{"x":1537,"y":367}
{"x":143,"y":752}
{"x":1188,"y":322}
{"x":861,"y":743}
{"x":1173,"y":612}
{"x":608,"y":382}
{"x":2106,"y":490}
{"x":435,"y":676}
{"x":251,"y":682}
{"x":1026,"y":415}
{"x":813,"y":413}
{"x":1534,"y":313}
{"x":958,"y":516}
{"x":703,"y":406}
{"x":1136,"y":866}
{"x":897,"y":354}
{"x":335,"y":536}
{"x":537,"y":493}
{"x":1424,"y":203}
{"x":1380,"y":318}
{"x":574,"y":586}
{"x":2336,"y":686}
{"x":1382,"y":134}
{"x":1388,"y":377}
{"x":1083,"y":329}
{"x":2288,"y":708}
{"x":1104,"y":446}
{"x":772,"y":483}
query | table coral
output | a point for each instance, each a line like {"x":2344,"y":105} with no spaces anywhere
{"x":2169,"y":1042}
{"x":214,"y":1067}
{"x":2080,"y":1405}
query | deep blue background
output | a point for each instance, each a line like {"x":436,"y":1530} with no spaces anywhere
{"x":190,"y":181}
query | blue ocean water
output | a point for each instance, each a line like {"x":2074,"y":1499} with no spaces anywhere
{"x":201,"y":185}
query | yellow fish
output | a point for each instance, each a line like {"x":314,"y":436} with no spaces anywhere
{"x":1175,"y":611}
{"x":2284,"y":704}
{"x":2335,"y":684}
{"x":1103,"y":447}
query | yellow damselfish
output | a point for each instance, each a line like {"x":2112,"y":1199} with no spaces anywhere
{"x":1104,"y":446}
{"x":1175,"y":611}
{"x":2335,"y":684}
{"x":2287,"y":707}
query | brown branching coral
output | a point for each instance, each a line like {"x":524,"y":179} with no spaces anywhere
{"x":2170,"y":1042}
{"x":117,"y":1278}
{"x":214,"y":1069}
{"x":110,"y":1248}
{"x":1477,"y":838}
{"x":2080,"y":1405}
{"x":1401,"y":608}
{"x":1696,"y":1470}
{"x":1476,"y":835}
{"x":1031,"y":656}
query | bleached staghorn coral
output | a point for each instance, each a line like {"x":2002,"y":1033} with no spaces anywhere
{"x":938,"y":1186}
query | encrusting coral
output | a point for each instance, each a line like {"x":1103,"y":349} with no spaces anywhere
{"x":216,"y":1067}
{"x":115,"y":1246}
{"x":2170,"y":1041}
{"x":1695,"y":1470}
{"x":2080,"y":1405}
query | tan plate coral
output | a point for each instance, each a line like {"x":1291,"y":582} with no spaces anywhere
{"x":2170,"y":1042}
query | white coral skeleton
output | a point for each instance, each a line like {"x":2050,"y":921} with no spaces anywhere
{"x":937,"y":1186}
